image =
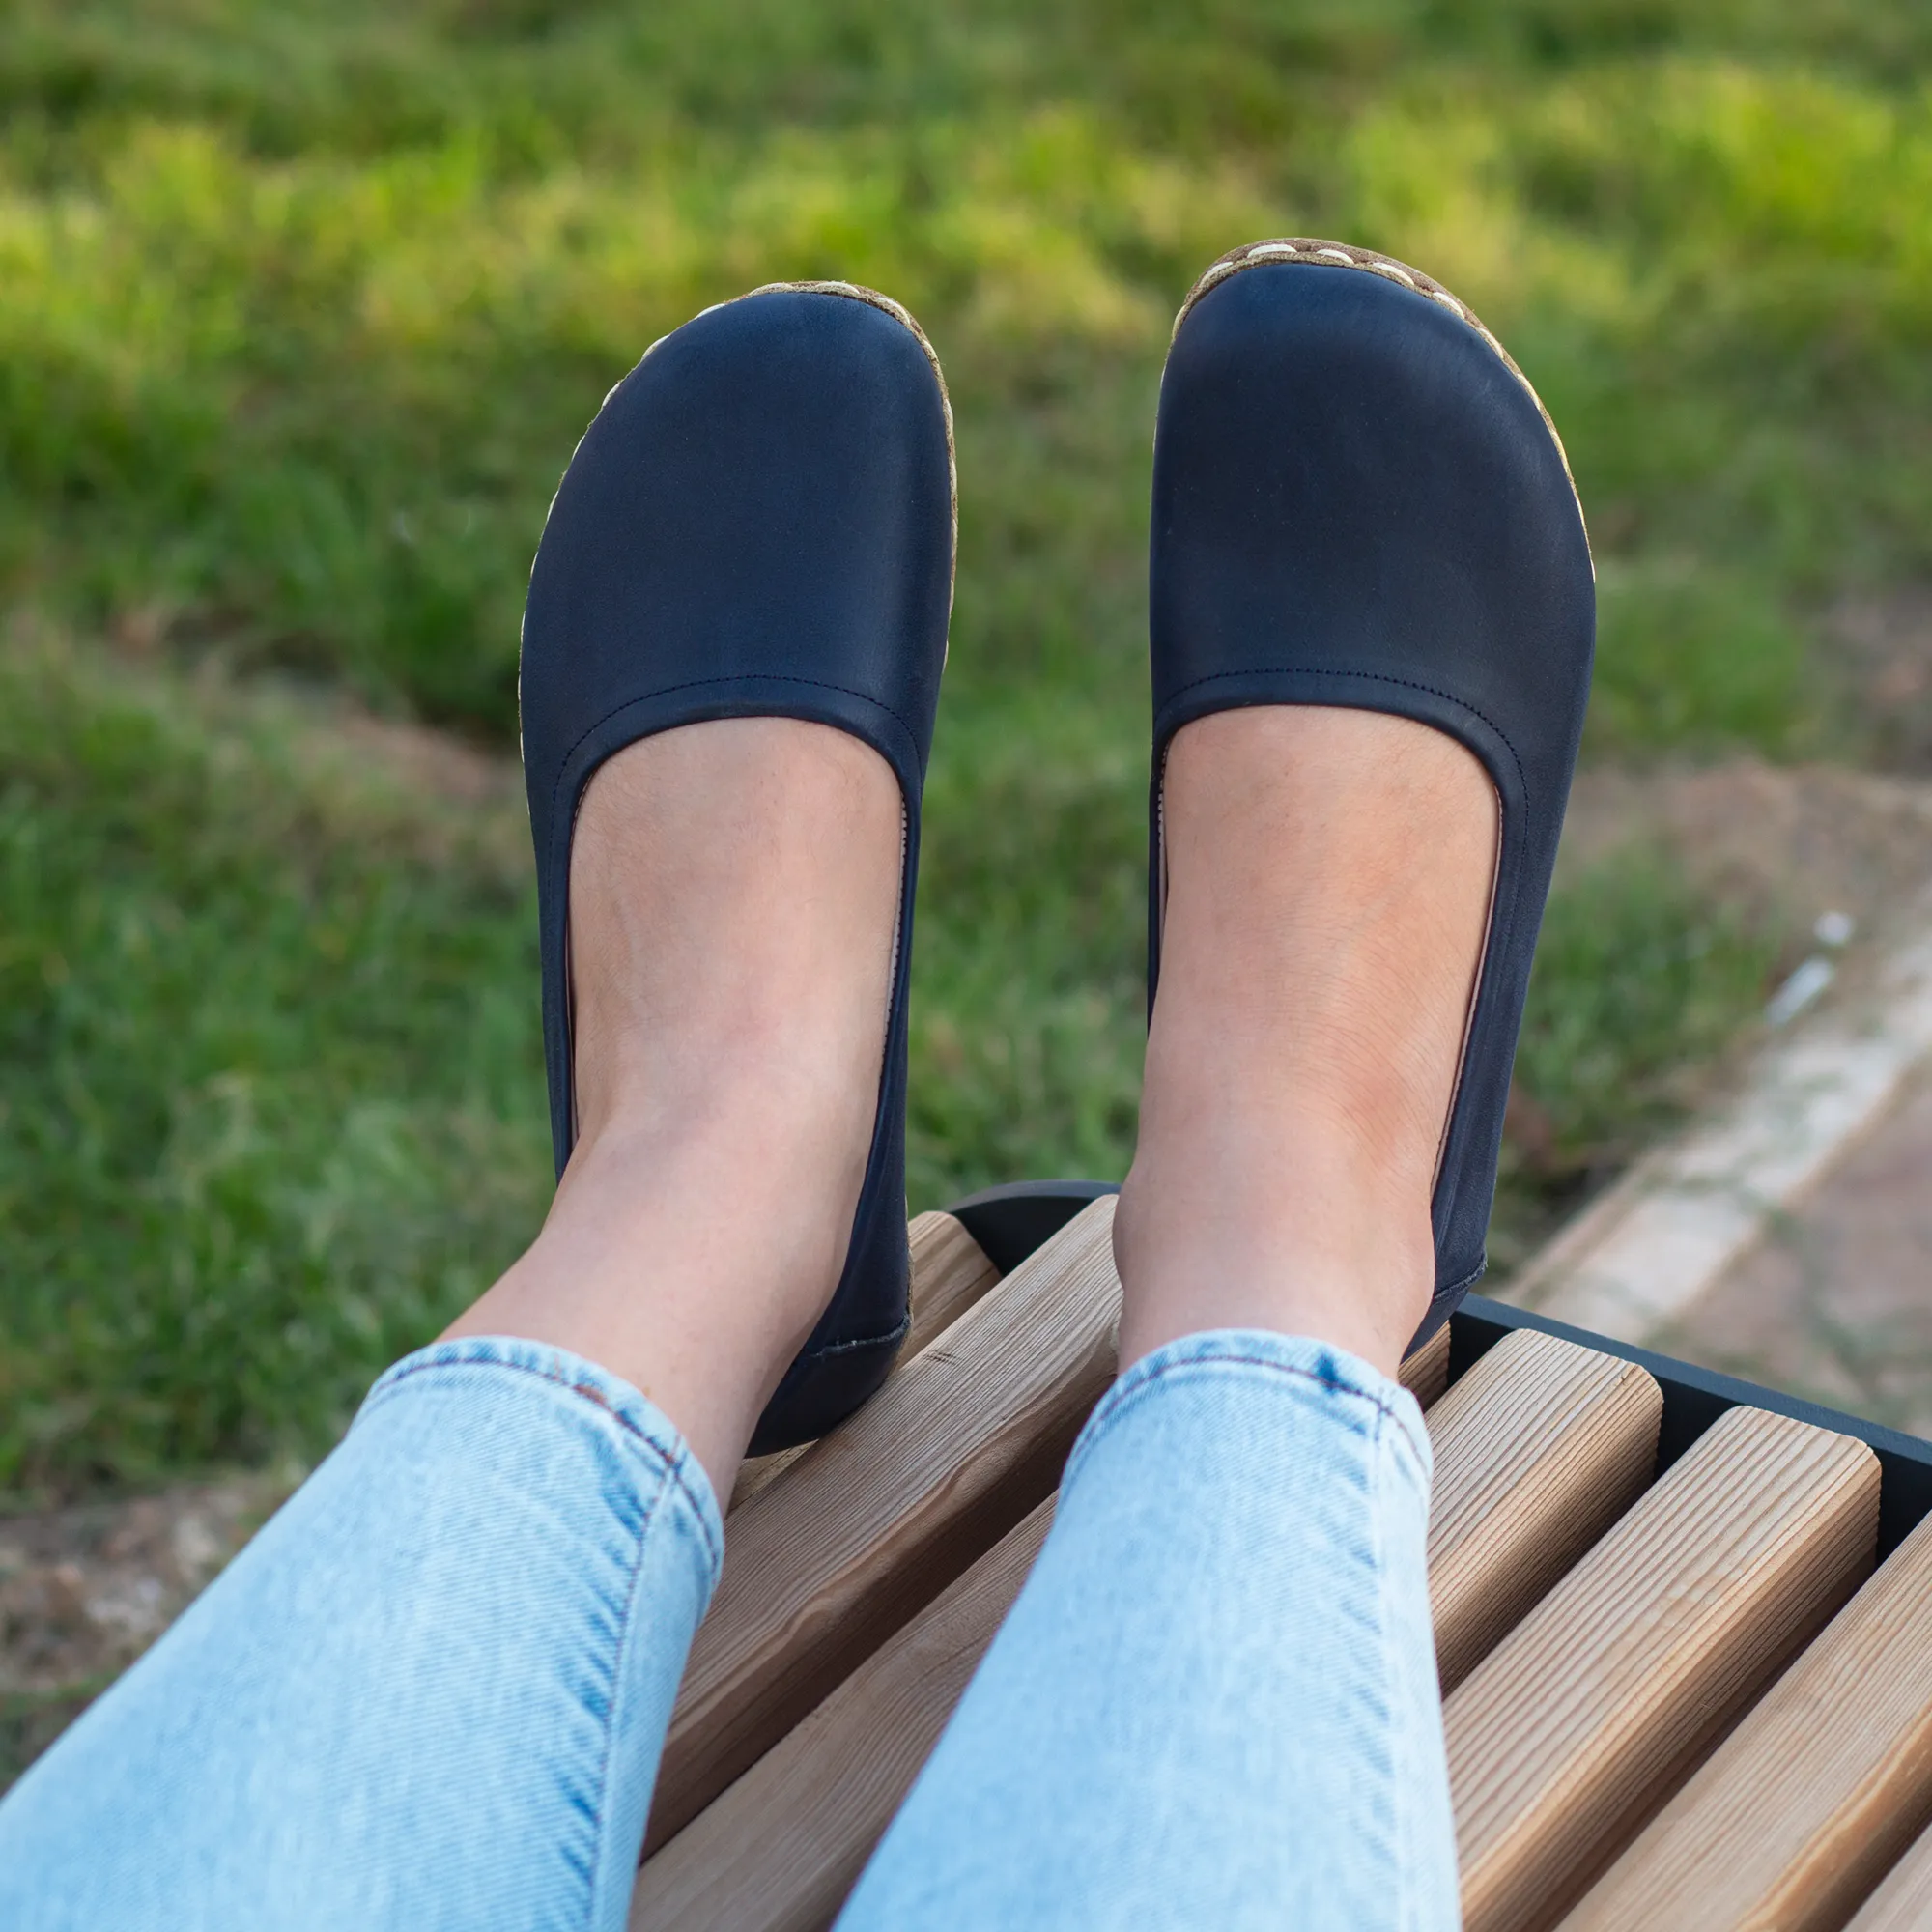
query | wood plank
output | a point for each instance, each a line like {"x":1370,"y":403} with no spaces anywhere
{"x":1424,"y":1374}
{"x":784,"y":1844}
{"x":760,"y":1472}
{"x":873,"y":1522}
{"x":1903,"y":1903}
{"x":1538,"y":1448}
{"x":949,"y":1273}
{"x":1799,"y":1812}
{"x":1583,"y":1720}
{"x":781,"y":1849}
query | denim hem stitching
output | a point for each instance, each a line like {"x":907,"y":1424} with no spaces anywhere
{"x":1388,"y":1659}
{"x":1126,"y":1394}
{"x":600,"y":1815}
{"x":673,"y":1464}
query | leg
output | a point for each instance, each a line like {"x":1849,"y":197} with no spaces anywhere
{"x":735,"y":887}
{"x":1329,"y":882}
{"x":432,"y":1693}
{"x":1215,"y":1701}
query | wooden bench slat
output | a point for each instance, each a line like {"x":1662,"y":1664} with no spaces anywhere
{"x":1538,"y":1448}
{"x":781,"y":1849}
{"x":1903,"y":1903}
{"x":872,"y":1523}
{"x":1581,"y":1721}
{"x":1799,"y":1812}
{"x":1424,"y":1374}
{"x":949,"y":1273}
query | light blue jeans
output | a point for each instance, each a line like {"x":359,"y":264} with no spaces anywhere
{"x":433,"y":1691}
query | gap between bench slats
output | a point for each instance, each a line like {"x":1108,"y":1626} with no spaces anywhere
{"x":1538,"y":1449}
{"x":1539,"y":1437}
{"x":872,"y":1523}
{"x":1584,"y":1719}
{"x":949,"y":1273}
{"x":781,"y":1848}
{"x":1903,"y":1903}
{"x":1799,"y":1812}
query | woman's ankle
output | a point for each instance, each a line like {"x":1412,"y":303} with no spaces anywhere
{"x":693,"y":1264}
{"x":1310,"y":1248}
{"x":1328,"y":878}
{"x":734,"y":892}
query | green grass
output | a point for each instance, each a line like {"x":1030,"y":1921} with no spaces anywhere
{"x":305,"y":304}
{"x":272,"y":1108}
{"x":1641,"y":988}
{"x":302,"y":307}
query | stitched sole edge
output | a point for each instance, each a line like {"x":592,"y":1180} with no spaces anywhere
{"x":1314,"y":253}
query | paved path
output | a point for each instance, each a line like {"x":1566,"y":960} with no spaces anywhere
{"x":1835,"y":1300}
{"x":1786,"y":1233}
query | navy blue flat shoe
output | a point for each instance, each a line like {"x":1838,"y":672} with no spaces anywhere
{"x":758,"y":523}
{"x":1358,"y":500}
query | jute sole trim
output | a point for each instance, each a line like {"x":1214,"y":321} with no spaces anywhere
{"x":1315,"y":252}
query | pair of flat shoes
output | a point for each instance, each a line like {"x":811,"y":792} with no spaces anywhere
{"x":1358,"y":500}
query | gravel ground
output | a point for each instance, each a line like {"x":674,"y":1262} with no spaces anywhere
{"x":83,"y":1591}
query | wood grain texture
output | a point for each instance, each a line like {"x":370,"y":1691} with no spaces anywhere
{"x":781,"y":1849}
{"x":1538,"y":1448}
{"x":783,"y":1845}
{"x":1424,"y":1374}
{"x":873,"y":1522}
{"x":1799,"y":1812}
{"x":760,"y":1472}
{"x":1903,"y":1902}
{"x":949,"y":1273}
{"x":1580,"y":1724}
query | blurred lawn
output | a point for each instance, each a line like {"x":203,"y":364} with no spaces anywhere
{"x":302,"y":307}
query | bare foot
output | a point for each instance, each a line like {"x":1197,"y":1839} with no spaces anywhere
{"x":1329,"y":877}
{"x":734,"y":895}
